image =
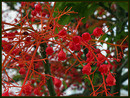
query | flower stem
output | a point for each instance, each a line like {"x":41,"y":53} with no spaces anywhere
{"x":104,"y":85}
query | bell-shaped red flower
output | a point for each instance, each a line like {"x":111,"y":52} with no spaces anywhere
{"x":78,"y":47}
{"x":5,"y":93}
{"x":36,"y":91}
{"x":72,"y":46}
{"x":86,"y":36}
{"x":104,"y":68}
{"x":49,"y":50}
{"x":38,"y":7}
{"x":63,"y":32}
{"x":87,"y":25}
{"x":57,"y":82}
{"x":61,"y":55}
{"x":33,"y":13}
{"x":87,"y":69}
{"x":15,"y":51}
{"x":22,"y":71}
{"x":101,"y":57}
{"x":97,"y":32}
{"x":7,"y":47}
{"x":110,"y":80}
{"x":76,"y":39}
{"x":27,"y":90}
{"x":90,"y":57}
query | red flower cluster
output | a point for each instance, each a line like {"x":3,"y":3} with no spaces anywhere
{"x":38,"y":7}
{"x":86,"y":36}
{"x":57,"y":82}
{"x":87,"y":69}
{"x":10,"y":36}
{"x":110,"y":80}
{"x":36,"y":91}
{"x":97,"y":32}
{"x":74,"y":47}
{"x":104,"y":68}
{"x":5,"y":93}
{"x":76,"y":39}
{"x":22,"y":71}
{"x":90,"y":57}
{"x":15,"y":51}
{"x":6,"y":46}
{"x":101,"y":57}
{"x":49,"y":50}
{"x":27,"y":90}
{"x":33,"y":13}
{"x":61,"y":55}
{"x":63,"y":32}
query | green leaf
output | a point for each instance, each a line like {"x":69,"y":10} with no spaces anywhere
{"x":65,"y":85}
{"x":109,"y":39}
{"x":124,"y":5}
{"x":104,"y":36}
{"x":64,"y":20}
{"x":17,"y":78}
{"x":90,"y":9}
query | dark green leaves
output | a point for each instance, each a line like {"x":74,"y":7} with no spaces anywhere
{"x":84,"y":9}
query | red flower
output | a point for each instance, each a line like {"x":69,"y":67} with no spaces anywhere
{"x":57,"y":82}
{"x":101,"y":57}
{"x":87,"y":69}
{"x":104,"y":68}
{"x":97,"y":32}
{"x":27,"y":90}
{"x":36,"y":91}
{"x":110,"y":80}
{"x":5,"y":93}
{"x":28,"y":39}
{"x":32,"y":4}
{"x":114,"y":7}
{"x":23,"y":3}
{"x":107,"y":51}
{"x":86,"y":37}
{"x":87,"y":25}
{"x":4,"y":43}
{"x":27,"y":57}
{"x":78,"y":48}
{"x":15,"y":51}
{"x":49,"y":50}
{"x":80,"y":53}
{"x":90,"y":57}
{"x":63,"y":32}
{"x":98,"y":64}
{"x":33,"y":13}
{"x":21,"y":65}
{"x":7,"y":47}
{"x":10,"y":36}
{"x":97,"y":50}
{"x":44,"y":14}
{"x":38,"y":7}
{"x":36,"y":66}
{"x":22,"y":71}
{"x":72,"y":46}
{"x":61,"y":55}
{"x":110,"y":66}
{"x":76,"y":39}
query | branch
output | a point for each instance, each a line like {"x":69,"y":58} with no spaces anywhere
{"x":120,"y":68}
{"x":50,"y":85}
{"x":124,"y":77}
